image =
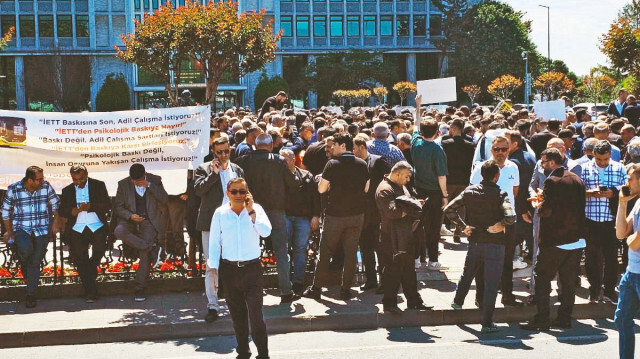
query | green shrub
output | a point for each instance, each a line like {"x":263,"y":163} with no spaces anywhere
{"x":114,"y":94}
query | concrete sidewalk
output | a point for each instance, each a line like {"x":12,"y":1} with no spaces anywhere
{"x":176,"y":315}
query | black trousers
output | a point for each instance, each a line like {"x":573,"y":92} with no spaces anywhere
{"x":369,"y":239}
{"x":243,"y":288}
{"x":432,"y":222}
{"x":79,"y":247}
{"x":506,"y":279}
{"x":400,"y":270}
{"x":552,"y":260}
{"x":601,"y":251}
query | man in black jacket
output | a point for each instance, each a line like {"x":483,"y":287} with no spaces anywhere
{"x":617,"y":106}
{"x":85,"y":204}
{"x":488,"y":211}
{"x":269,"y":178}
{"x":562,"y":223}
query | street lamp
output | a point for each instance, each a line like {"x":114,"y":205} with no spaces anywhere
{"x":548,"y":37}
{"x":527,"y":82}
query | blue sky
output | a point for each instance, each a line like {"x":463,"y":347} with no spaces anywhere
{"x":576,"y":26}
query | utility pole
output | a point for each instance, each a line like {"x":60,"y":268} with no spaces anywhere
{"x":548,"y":37}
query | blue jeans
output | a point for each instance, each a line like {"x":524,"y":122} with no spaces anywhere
{"x":31,"y":250}
{"x":628,"y":304}
{"x":298,"y":230}
{"x":281,"y":248}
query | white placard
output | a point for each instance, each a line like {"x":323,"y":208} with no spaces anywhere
{"x":550,"y":109}
{"x":438,"y":90}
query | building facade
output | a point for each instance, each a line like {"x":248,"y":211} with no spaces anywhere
{"x":64,"y":49}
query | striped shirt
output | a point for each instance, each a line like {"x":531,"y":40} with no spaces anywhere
{"x":29,"y":212}
{"x":614,"y":175}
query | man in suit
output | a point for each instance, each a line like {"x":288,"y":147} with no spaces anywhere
{"x":562,"y":223}
{"x":85,"y":204}
{"x":140,"y":208}
{"x":617,"y":106}
{"x":210,"y":185}
{"x":369,"y":237}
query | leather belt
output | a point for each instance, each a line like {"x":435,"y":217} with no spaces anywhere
{"x":240,"y":264}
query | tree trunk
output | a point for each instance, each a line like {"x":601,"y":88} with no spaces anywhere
{"x":212,"y":89}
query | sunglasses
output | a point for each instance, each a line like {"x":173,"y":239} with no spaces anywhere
{"x":226,"y":152}
{"x":238,"y":191}
{"x":500,"y":149}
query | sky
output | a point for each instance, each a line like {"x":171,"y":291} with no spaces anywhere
{"x":576,"y":26}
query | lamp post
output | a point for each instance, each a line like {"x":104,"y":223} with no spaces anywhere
{"x":527,"y":83}
{"x":548,"y":37}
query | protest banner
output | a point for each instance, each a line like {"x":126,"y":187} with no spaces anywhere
{"x":166,"y":141}
{"x":438,"y":90}
{"x":550,"y":109}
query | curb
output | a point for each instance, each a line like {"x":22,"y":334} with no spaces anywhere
{"x":281,"y":325}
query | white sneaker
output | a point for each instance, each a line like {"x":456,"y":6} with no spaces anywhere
{"x":418,"y":264}
{"x":444,"y":231}
{"x":519,"y":264}
{"x":434,"y":266}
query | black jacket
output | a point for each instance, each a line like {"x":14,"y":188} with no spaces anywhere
{"x":538,"y":142}
{"x":397,"y":228}
{"x":613,"y":110}
{"x":208,"y":187}
{"x":378,"y":168}
{"x":459,"y":159}
{"x":98,"y":198}
{"x":304,"y":199}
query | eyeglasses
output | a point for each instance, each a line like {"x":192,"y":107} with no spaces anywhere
{"x":238,"y":191}
{"x":500,"y":149}
{"x":226,"y":152}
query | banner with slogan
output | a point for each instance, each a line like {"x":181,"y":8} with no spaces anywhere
{"x":167,"y":142}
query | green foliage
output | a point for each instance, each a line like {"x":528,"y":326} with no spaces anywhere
{"x":266,"y":88}
{"x":452,"y":12}
{"x":114,"y":94}
{"x":489,"y":44}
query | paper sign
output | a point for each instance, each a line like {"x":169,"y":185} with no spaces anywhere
{"x":438,"y":90}
{"x":550,"y":109}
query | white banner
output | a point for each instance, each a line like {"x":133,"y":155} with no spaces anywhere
{"x":550,"y":109}
{"x":166,"y":141}
{"x":438,"y":90}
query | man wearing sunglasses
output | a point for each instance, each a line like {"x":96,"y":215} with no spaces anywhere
{"x":210,"y":181}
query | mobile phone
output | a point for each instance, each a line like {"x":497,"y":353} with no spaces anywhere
{"x":626,"y":191}
{"x":603,"y":188}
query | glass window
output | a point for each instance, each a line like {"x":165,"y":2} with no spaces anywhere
{"x":319,"y":26}
{"x":435,"y":25}
{"x":302,"y":26}
{"x":285,"y":0}
{"x":146,"y":4}
{"x":419,"y":25}
{"x":45,"y":25}
{"x":402,"y":25}
{"x":136,"y":4}
{"x":64,"y":26}
{"x":336,"y":25}
{"x":285,"y":25}
{"x":82,"y":26}
{"x":302,"y":0}
{"x":370,"y":25}
{"x":27,"y":26}
{"x":386,"y":25}
{"x":7,"y":22}
{"x":353,"y":25}
{"x":154,"y":3}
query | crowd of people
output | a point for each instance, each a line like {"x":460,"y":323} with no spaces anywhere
{"x":522,"y":189}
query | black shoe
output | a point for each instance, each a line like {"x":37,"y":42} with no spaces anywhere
{"x":380,"y":290}
{"x":368,"y":285}
{"x":535,"y":327}
{"x":560,"y":323}
{"x":345,"y":294}
{"x":511,"y":302}
{"x":394,"y":310}
{"x":139,"y":295}
{"x":610,"y":298}
{"x":312,"y":292}
{"x":91,"y":297}
{"x":288,"y":298}
{"x":456,"y":239}
{"x":420,"y":306}
{"x":297,"y":289}
{"x":31,"y":301}
{"x":211,"y":316}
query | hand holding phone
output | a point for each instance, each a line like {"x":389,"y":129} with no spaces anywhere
{"x":248,"y":202}
{"x":215,"y":166}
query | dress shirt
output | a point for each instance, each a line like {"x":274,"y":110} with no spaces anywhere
{"x":614,"y":175}
{"x":85,"y":219}
{"x":389,"y":152}
{"x":30,"y":212}
{"x":579,"y":244}
{"x":234,"y":236}
{"x":141,"y":190}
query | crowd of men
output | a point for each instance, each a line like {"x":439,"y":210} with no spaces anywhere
{"x":522,"y":189}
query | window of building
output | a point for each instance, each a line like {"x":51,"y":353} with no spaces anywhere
{"x":27,"y":26}
{"x":353,"y":25}
{"x":386,"y":25}
{"x":285,"y":0}
{"x":7,"y":22}
{"x":45,"y":25}
{"x":82,"y":26}
{"x":419,"y":25}
{"x":302,"y":0}
{"x":370,"y":25}
{"x":146,"y":4}
{"x":285,"y":25}
{"x":136,"y":4}
{"x":8,"y":79}
{"x":336,"y":26}
{"x":435,"y":25}
{"x":319,"y":26}
{"x":302,"y":26}
{"x":402,"y":25}
{"x":64,"y":26}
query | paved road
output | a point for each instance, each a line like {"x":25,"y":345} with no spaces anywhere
{"x":588,"y":339}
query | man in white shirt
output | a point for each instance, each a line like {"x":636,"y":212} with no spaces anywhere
{"x":234,"y":249}
{"x":508,"y":181}
{"x":85,"y":204}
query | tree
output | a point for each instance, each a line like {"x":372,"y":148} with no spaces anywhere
{"x":595,"y":85}
{"x":380,"y":92}
{"x":114,"y":94}
{"x":554,"y":84}
{"x":268,"y":87}
{"x":490,"y":43}
{"x":403,"y":88}
{"x":452,"y":11}
{"x":362,"y":95}
{"x":472,"y":91}
{"x":503,"y":86}
{"x":7,"y":37}
{"x":631,"y":12}
{"x":621,"y":44}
